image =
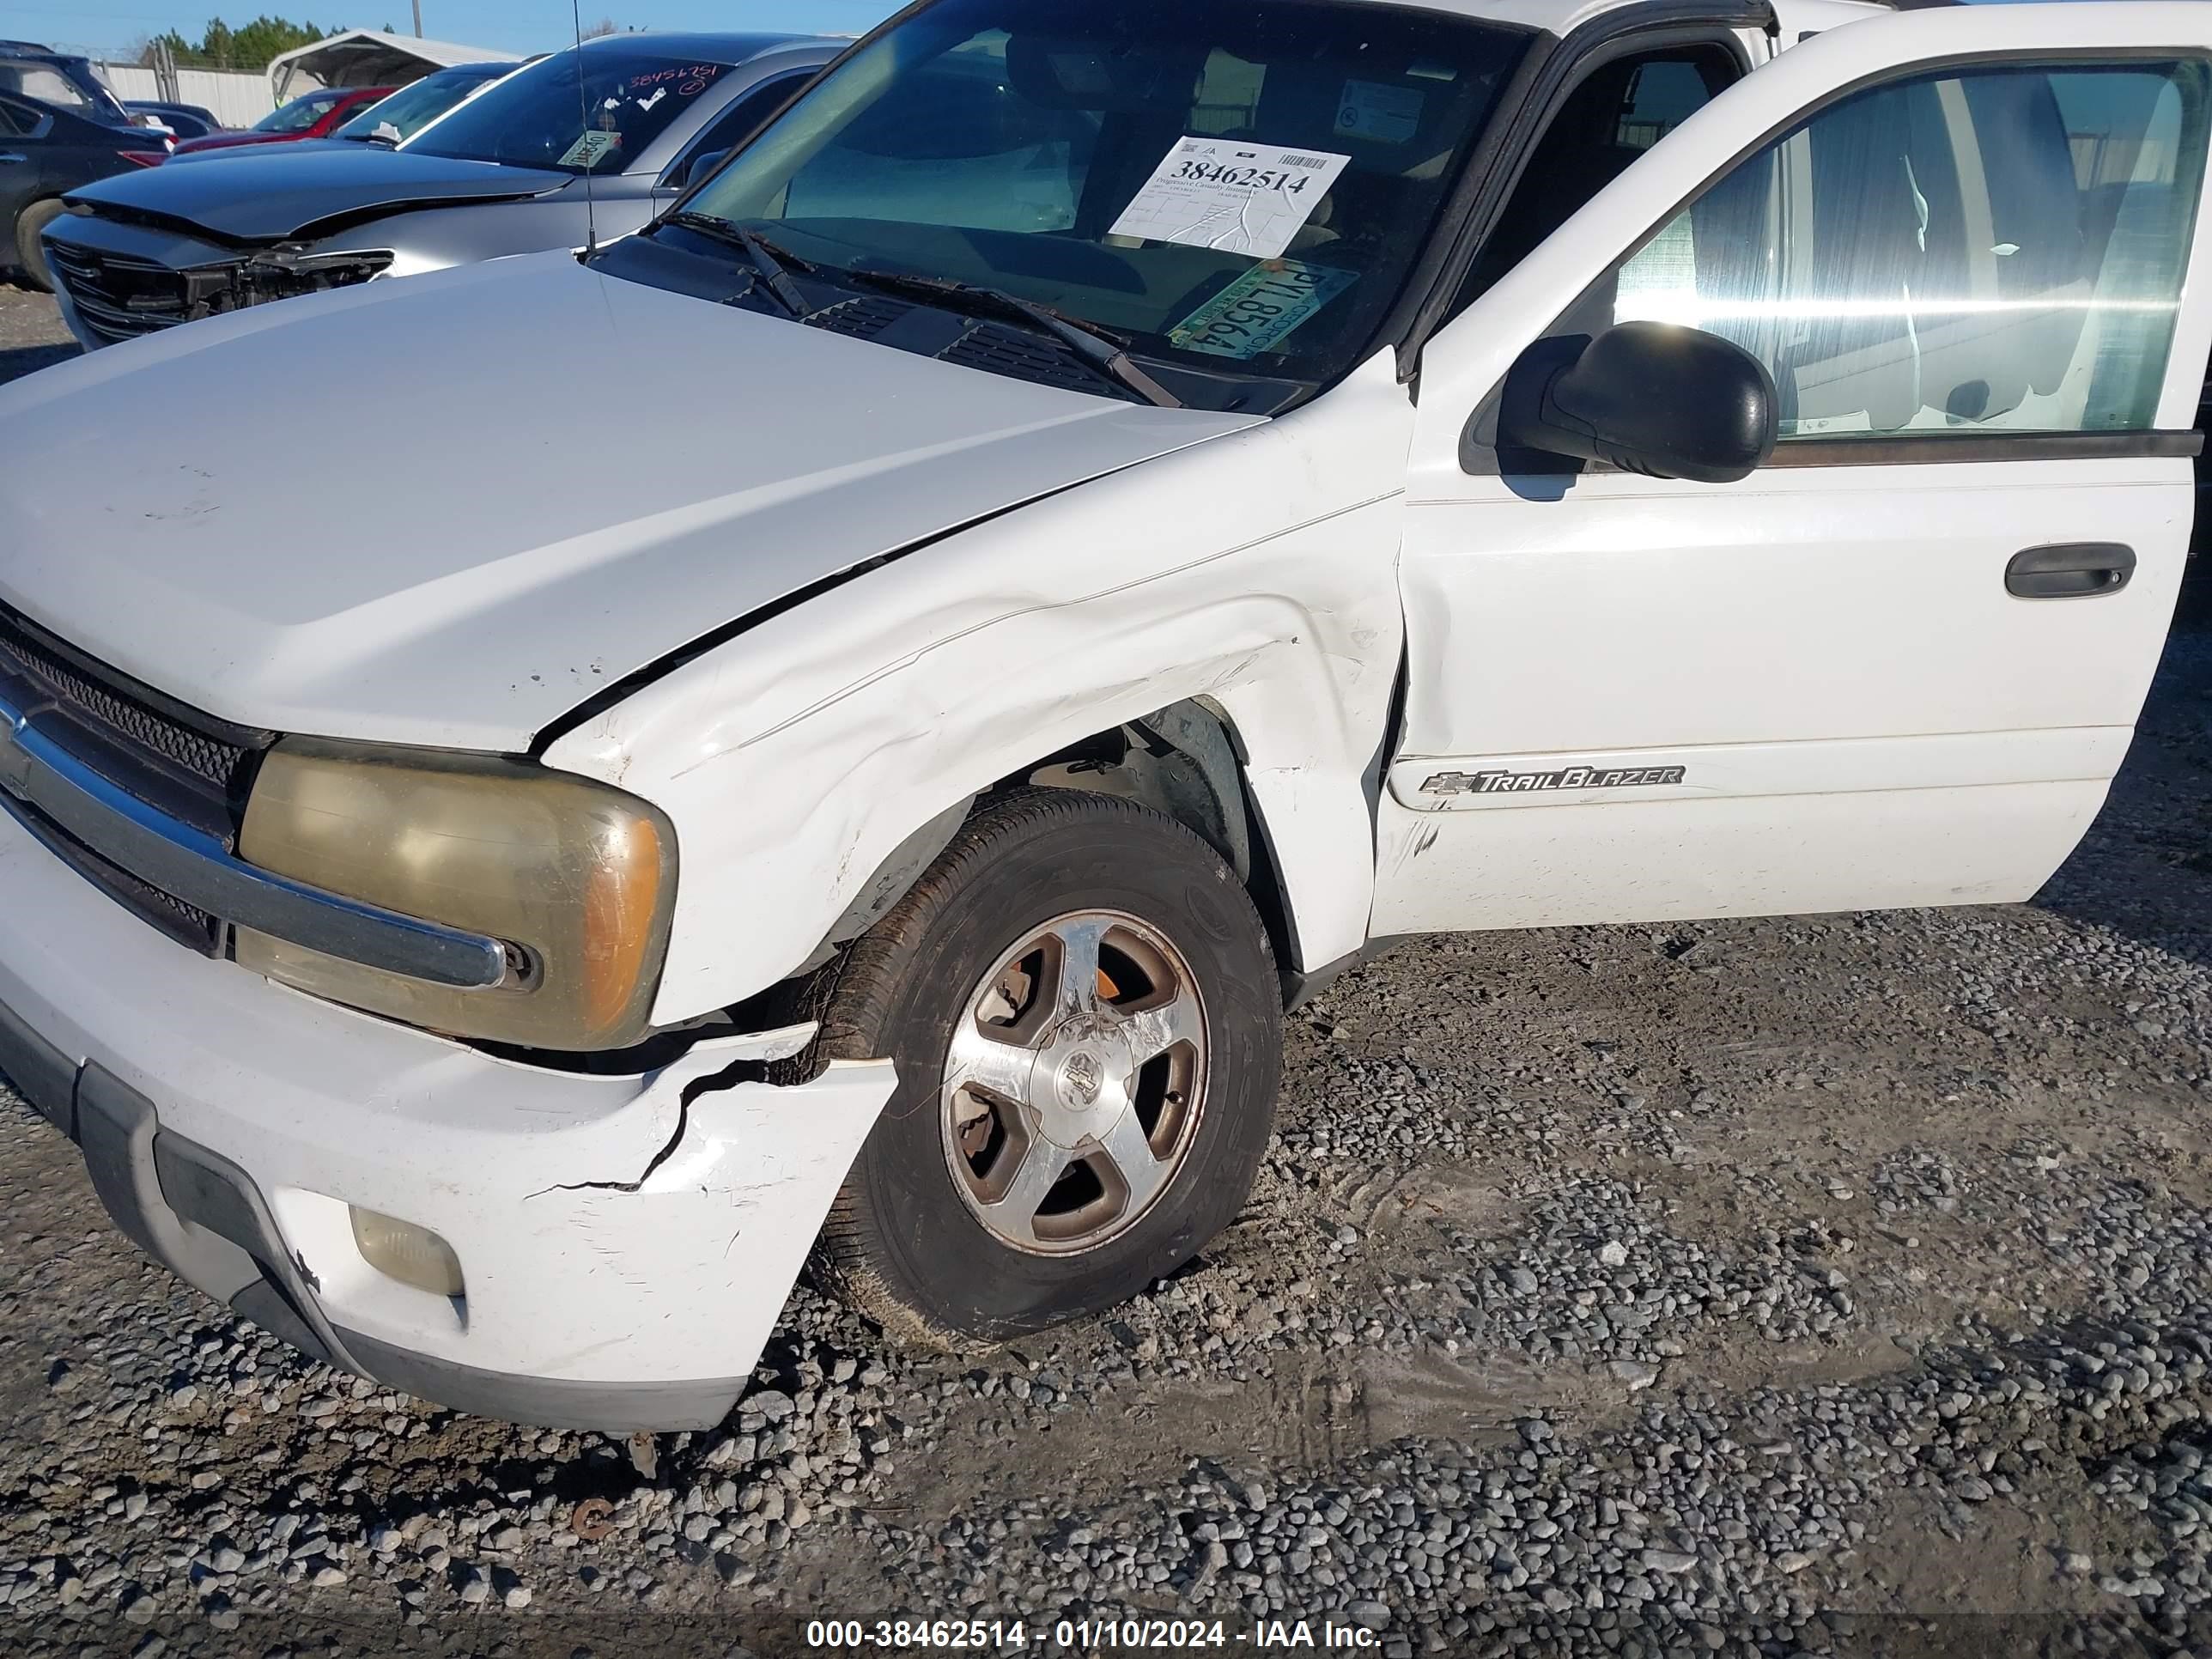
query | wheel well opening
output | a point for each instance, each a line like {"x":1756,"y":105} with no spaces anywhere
{"x":1184,"y":760}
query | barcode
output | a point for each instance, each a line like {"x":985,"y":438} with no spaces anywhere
{"x":1291,"y":161}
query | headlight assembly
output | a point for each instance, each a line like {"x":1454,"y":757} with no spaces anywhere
{"x":575,"y":878}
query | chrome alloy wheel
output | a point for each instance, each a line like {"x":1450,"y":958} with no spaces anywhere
{"x":1074,"y":1082}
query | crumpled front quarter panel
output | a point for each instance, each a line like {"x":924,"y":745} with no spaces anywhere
{"x":1257,"y":569}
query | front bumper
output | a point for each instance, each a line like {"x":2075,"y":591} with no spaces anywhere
{"x":627,"y":1241}
{"x":117,"y":281}
{"x":80,"y":331}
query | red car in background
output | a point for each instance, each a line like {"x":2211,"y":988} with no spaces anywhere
{"x":312,"y":115}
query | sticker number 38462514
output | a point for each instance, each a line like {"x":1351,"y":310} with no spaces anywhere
{"x":1257,"y":311}
{"x":1236,"y":197}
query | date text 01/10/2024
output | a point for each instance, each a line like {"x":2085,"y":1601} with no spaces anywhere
{"x":1086,"y":1635}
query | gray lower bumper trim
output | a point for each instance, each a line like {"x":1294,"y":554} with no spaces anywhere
{"x":201,"y":1215}
{"x":197,"y":1213}
{"x":545,"y":1403}
{"x":42,"y":1074}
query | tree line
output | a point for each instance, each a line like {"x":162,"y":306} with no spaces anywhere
{"x":249,"y":46}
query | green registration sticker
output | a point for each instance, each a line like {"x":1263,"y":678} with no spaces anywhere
{"x":1258,"y":311}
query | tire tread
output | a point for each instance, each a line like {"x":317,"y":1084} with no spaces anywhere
{"x":30,"y":263}
{"x":851,"y":1000}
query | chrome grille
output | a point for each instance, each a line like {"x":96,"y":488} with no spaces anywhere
{"x":207,"y":757}
{"x":194,"y":747}
{"x":190,"y":765}
{"x":118,"y":298}
{"x":186,"y":923}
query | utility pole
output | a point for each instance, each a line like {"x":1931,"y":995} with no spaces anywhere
{"x":418,"y":19}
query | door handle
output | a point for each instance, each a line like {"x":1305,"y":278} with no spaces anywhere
{"x":7,"y":157}
{"x":2071,"y":570}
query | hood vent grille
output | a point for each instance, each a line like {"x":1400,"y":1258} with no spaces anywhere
{"x":994,"y":347}
{"x":1010,"y":351}
{"x":862,"y":319}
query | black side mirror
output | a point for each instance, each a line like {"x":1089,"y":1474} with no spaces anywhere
{"x":696,"y":168}
{"x":1657,"y":398}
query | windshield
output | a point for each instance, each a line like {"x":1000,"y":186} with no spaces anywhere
{"x":301,"y":113}
{"x":535,"y":117}
{"x":413,"y":107}
{"x":1239,"y":188}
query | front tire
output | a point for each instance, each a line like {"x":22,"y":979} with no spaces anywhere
{"x":31,"y":257}
{"x":1083,"y":1008}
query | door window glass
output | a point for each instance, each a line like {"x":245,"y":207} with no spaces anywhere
{"x":48,"y":85}
{"x":745,"y":116}
{"x":301,"y":113}
{"x":1663,"y":93}
{"x":1996,"y":250}
{"x":595,"y":108}
{"x":1620,"y":111}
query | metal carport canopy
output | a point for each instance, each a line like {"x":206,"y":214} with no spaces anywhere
{"x":366,"y":58}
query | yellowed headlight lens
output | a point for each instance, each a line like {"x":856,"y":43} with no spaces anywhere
{"x":582,"y":877}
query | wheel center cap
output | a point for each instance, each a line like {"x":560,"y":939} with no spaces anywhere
{"x":1081,"y":1084}
{"x":1081,"y":1077}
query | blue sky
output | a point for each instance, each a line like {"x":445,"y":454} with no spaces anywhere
{"x":517,"y":25}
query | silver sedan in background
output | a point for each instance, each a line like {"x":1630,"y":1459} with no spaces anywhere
{"x":594,"y":140}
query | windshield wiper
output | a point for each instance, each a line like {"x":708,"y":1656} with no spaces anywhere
{"x":768,"y":260}
{"x":1095,"y":346}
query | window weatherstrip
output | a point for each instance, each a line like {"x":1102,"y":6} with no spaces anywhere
{"x":1934,"y":448}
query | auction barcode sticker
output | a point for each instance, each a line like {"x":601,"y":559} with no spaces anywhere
{"x":1236,"y":197}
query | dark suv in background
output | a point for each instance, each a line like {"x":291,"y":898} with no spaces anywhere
{"x":45,"y":150}
{"x":62,"y":79}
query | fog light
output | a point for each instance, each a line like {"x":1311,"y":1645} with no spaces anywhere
{"x":400,"y":1249}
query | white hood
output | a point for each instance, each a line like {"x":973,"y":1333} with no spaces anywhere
{"x":446,"y":510}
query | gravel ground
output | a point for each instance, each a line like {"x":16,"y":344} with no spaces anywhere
{"x":31,"y":332}
{"x":1840,"y":1286}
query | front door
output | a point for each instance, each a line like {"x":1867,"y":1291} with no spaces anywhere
{"x":22,"y":168}
{"x":1901,"y":664}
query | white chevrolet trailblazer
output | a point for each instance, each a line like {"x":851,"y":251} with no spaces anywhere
{"x":841,"y":720}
